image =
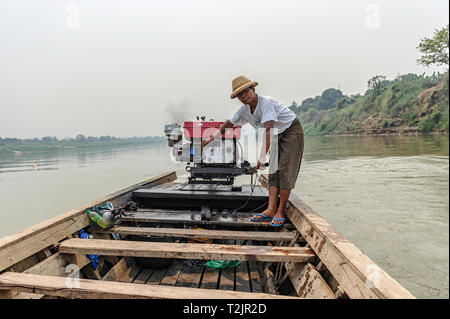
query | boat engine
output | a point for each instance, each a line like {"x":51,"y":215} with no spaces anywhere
{"x":218,"y":162}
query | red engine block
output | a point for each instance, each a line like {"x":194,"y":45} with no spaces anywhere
{"x":204,"y":129}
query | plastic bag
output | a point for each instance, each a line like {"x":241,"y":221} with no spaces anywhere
{"x":222,"y":264}
{"x":94,"y":258}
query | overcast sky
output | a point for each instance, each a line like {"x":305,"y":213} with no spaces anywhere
{"x":104,"y":67}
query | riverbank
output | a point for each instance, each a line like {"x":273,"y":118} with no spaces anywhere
{"x":410,"y":103}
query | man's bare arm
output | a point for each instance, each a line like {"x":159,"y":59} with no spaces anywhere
{"x":218,"y":133}
{"x":221,"y":131}
{"x":268,"y":134}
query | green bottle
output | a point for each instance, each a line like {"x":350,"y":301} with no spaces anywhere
{"x":99,"y":220}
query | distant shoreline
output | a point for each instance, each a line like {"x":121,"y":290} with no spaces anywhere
{"x":19,"y":147}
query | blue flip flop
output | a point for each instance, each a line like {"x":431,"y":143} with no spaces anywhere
{"x":258,"y":219}
{"x":278,"y":219}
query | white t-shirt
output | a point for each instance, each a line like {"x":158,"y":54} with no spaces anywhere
{"x":267,"y":109}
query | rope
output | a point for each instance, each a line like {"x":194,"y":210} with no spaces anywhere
{"x":252,"y":187}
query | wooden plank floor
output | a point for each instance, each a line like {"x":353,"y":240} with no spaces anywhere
{"x":195,"y":274}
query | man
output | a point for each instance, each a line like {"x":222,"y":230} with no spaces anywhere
{"x":279,"y":122}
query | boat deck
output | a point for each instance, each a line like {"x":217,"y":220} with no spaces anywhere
{"x":167,"y":236}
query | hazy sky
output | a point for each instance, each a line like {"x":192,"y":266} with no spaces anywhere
{"x":104,"y":67}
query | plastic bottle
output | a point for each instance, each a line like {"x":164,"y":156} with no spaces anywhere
{"x":107,"y":215}
{"x":99,"y":220}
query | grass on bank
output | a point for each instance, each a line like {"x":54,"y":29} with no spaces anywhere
{"x":409,"y":103}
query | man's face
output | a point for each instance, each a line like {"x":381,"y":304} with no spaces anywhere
{"x":247,"y":95}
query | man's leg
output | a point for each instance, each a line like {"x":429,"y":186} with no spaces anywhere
{"x":281,"y":211}
{"x":273,"y":201}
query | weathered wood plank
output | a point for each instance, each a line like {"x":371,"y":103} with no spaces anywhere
{"x":130,"y":274}
{"x":143,"y":276}
{"x":187,"y":218}
{"x":312,"y":285}
{"x":189,"y":276}
{"x":255,"y":279}
{"x":185,"y":251}
{"x":269,"y":281}
{"x":55,"y":265}
{"x":156,"y":277}
{"x":91,"y":273}
{"x":295,"y":272}
{"x":172,"y":273}
{"x":242,"y":279}
{"x":25,"y":263}
{"x":210,"y":278}
{"x":21,"y":245}
{"x":118,"y":270}
{"x":11,"y":254}
{"x":202,"y":233}
{"x":98,"y":289}
{"x":226,"y":279}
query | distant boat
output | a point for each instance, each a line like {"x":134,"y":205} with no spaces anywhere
{"x":17,"y":152}
{"x":35,"y":167}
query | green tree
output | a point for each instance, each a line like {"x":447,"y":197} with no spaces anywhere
{"x":434,"y":50}
{"x":329,"y":98}
{"x":80,"y":138}
{"x":376,"y":83}
{"x":309,"y":103}
{"x":47,"y":139}
{"x":294,"y":107}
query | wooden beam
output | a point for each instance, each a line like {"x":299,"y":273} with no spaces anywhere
{"x":312,"y":285}
{"x":202,"y":233}
{"x":209,"y":278}
{"x":172,"y":273}
{"x":357,"y":274}
{"x":99,"y":289}
{"x":189,"y":276}
{"x":118,"y":270}
{"x":269,"y":281}
{"x":255,"y":279}
{"x":130,"y":274}
{"x":11,"y":254}
{"x":158,"y":216}
{"x":295,"y":272}
{"x":19,"y":246}
{"x":54,"y":265}
{"x":185,"y":251}
{"x":242,"y":278}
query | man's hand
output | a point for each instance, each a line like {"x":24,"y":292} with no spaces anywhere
{"x":259,"y":165}
{"x":206,"y":141}
{"x":261,"y":161}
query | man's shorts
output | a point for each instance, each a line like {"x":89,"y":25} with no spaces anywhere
{"x":290,"y":152}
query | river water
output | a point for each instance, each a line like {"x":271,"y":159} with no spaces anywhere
{"x":388,"y":195}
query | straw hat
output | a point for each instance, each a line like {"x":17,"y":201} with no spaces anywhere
{"x":240,"y":83}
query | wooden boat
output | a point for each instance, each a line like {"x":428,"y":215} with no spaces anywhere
{"x":160,"y":250}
